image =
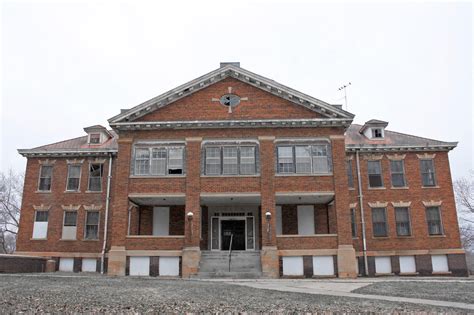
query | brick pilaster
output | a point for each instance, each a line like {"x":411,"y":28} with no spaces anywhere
{"x":193,"y":188}
{"x":267,"y":189}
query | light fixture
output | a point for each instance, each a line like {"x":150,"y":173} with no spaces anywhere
{"x":190,"y":215}
{"x":268,"y":215}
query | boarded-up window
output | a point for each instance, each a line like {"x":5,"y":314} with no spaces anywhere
{"x":40,"y":226}
{"x":69,"y":225}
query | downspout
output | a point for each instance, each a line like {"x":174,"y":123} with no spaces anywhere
{"x":362,"y":214}
{"x":107,"y":203}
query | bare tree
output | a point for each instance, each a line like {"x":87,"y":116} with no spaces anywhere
{"x":464,"y":191}
{"x":11,"y":191}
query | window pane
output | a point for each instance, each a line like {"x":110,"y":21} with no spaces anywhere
{"x":320,"y":164}
{"x":303,"y":159}
{"x":74,"y":173}
{"x":142,"y":161}
{"x":70,"y":218}
{"x":229,"y":160}
{"x":398,"y":174}
{"x":379,"y":222}
{"x":41,"y":216}
{"x":92,"y":217}
{"x":247,"y":160}
{"x":175,"y":158}
{"x":46,"y":171}
{"x":213,"y":161}
{"x":92,"y":232}
{"x":285,"y":160}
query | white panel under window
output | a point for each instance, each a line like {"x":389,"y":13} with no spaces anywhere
{"x":139,"y":266}
{"x":323,"y":265}
{"x":89,"y":265}
{"x":279,"y":225}
{"x":383,"y":265}
{"x":305,"y":220}
{"x":40,"y":229}
{"x":169,"y":266}
{"x":440,"y":263}
{"x":407,"y":264}
{"x":66,"y":264}
{"x":69,"y":233}
{"x":292,"y":266}
{"x":161,"y":221}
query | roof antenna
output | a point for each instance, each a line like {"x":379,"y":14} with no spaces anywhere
{"x":344,"y":87}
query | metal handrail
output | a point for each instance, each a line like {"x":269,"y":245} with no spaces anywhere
{"x":230,"y":249}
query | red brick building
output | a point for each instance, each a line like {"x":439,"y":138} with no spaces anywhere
{"x":234,"y":174}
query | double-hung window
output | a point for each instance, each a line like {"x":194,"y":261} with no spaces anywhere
{"x":46,"y":173}
{"x":433,"y":219}
{"x":92,"y":225}
{"x":40,"y":227}
{"x":230,"y":160}
{"x":69,"y":225}
{"x":428,"y":173}
{"x":397,"y":171}
{"x":379,"y":222}
{"x":374,"y":169}
{"x":402,"y":219}
{"x":95,"y":177}
{"x":303,"y":159}
{"x":159,"y":161}
{"x":73,"y":177}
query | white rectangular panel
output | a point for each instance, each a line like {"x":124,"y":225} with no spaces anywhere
{"x":306,"y":220}
{"x":383,"y":265}
{"x":407,"y":264}
{"x":66,"y":264}
{"x":161,"y":221}
{"x":139,"y":266}
{"x":292,"y":266}
{"x":169,"y":266}
{"x":323,"y":265}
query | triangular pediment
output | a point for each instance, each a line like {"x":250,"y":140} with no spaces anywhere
{"x":198,"y":100}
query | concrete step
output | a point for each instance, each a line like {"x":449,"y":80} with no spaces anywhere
{"x":243,"y":264}
{"x":230,"y":275}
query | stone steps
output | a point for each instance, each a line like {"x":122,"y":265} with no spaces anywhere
{"x":243,"y":265}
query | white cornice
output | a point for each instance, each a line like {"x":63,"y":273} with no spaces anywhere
{"x":66,"y":153}
{"x":401,"y":148}
{"x":238,"y":73}
{"x":216,"y":124}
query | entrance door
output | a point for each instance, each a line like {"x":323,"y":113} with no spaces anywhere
{"x":235,"y":228}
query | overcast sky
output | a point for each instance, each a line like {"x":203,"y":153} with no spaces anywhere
{"x":69,"y":65}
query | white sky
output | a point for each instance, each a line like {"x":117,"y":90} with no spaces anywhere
{"x":69,"y":65}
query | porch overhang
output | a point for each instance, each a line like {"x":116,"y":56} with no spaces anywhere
{"x":157,"y":199}
{"x":230,"y":198}
{"x":320,"y":197}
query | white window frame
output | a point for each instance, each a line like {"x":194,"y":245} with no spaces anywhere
{"x":222,"y":160}
{"x":374,"y":174}
{"x":386,"y":222}
{"x":40,"y":225}
{"x":441,"y":227}
{"x":213,"y":160}
{"x":409,"y":221}
{"x":249,"y":160}
{"x":90,"y":177}
{"x":284,"y":166}
{"x":95,"y":134}
{"x":98,"y":226}
{"x":170,"y":163}
{"x":433,"y":174}
{"x":41,"y":177}
{"x":230,"y":160}
{"x":398,"y":173}
{"x":69,"y":166}
{"x":69,"y":226}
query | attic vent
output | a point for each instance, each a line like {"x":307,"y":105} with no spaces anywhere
{"x":235,"y":64}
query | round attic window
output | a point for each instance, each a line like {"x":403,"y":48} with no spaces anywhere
{"x":230,"y":100}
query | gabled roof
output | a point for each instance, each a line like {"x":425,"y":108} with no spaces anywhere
{"x":235,"y":71}
{"x":392,"y":141}
{"x":75,"y":146}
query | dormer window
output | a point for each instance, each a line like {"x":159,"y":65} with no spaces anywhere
{"x":377,"y":133}
{"x":94,"y":138}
